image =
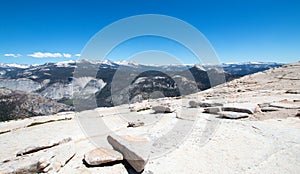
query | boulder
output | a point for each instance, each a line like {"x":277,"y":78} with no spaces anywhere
{"x":193,"y":104}
{"x":232,"y":115}
{"x":135,"y":150}
{"x":101,"y":156}
{"x":284,"y":105}
{"x":162,"y":109}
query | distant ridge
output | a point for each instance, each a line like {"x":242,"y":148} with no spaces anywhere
{"x":135,"y":82}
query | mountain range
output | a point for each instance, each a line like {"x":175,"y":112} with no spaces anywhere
{"x":88,"y":84}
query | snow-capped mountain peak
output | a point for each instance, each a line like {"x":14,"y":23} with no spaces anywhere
{"x":14,"y":65}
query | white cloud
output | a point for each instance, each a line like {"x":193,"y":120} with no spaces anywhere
{"x":44,"y":55}
{"x":12,"y":55}
{"x":66,"y":55}
{"x":49,"y":55}
{"x":77,"y":55}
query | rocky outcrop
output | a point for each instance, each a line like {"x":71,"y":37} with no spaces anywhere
{"x":82,"y":85}
{"x":19,"y":104}
{"x":22,"y":84}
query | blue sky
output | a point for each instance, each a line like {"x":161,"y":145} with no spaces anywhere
{"x":240,"y":31}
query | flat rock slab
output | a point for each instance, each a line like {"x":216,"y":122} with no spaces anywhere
{"x":233,"y":115}
{"x":269,"y":109}
{"x":50,"y":160}
{"x":135,"y":150}
{"x":248,"y":108}
{"x":41,"y":146}
{"x":38,"y":120}
{"x":213,"y":110}
{"x":101,"y":156}
{"x":284,"y":105}
{"x":293,"y":91}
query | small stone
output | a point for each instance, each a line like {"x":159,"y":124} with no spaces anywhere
{"x":233,"y":115}
{"x":101,"y":156}
{"x":135,"y":150}
{"x":162,"y":109}
{"x":135,"y":124}
{"x":241,"y":90}
{"x":212,"y":110}
{"x":43,"y":163}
